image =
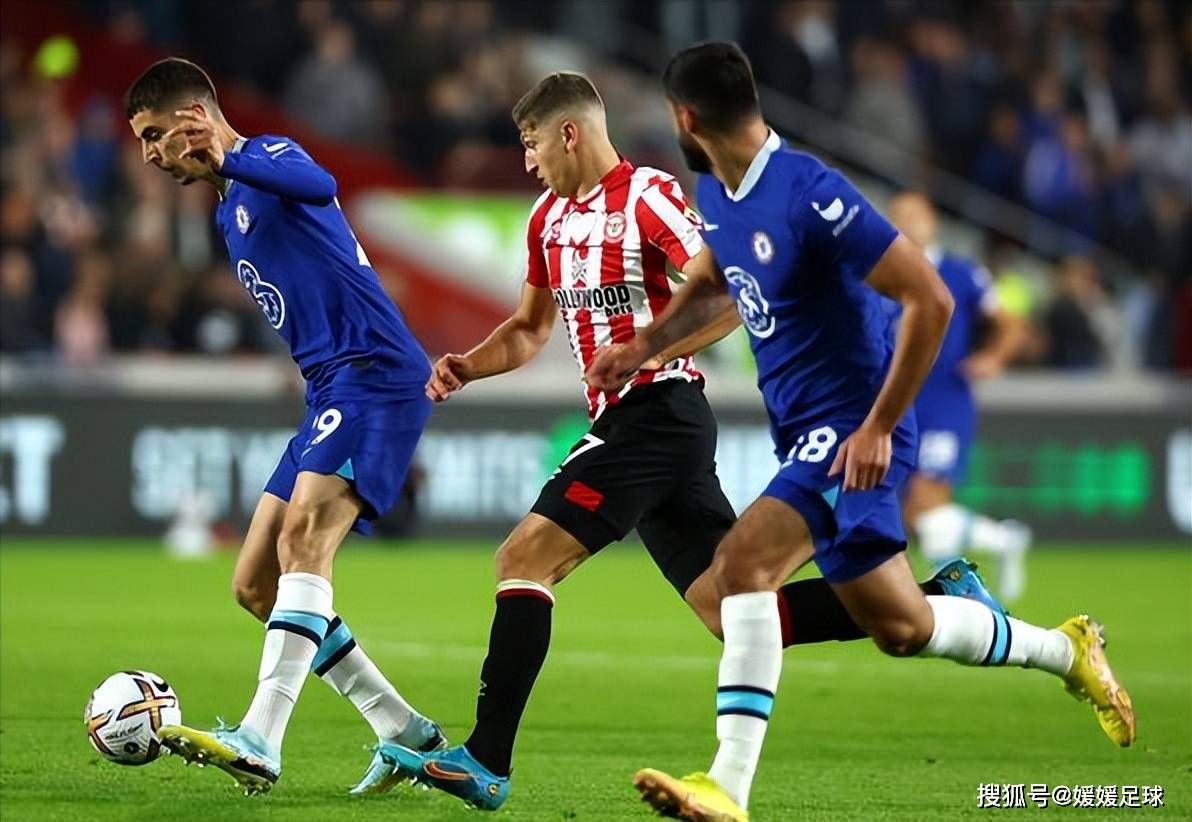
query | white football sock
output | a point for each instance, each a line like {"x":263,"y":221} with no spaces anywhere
{"x":946,"y":530}
{"x":942,"y":532}
{"x":749,"y":670}
{"x":969,"y":633}
{"x":993,"y":537}
{"x":295,"y":630}
{"x":343,"y":665}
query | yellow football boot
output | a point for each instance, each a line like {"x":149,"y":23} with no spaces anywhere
{"x":696,"y":797}
{"x":241,"y":753}
{"x":1091,"y":680}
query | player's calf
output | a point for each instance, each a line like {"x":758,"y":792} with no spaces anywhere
{"x":254,"y":581}
{"x":254,"y":597}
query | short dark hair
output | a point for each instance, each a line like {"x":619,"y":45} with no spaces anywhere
{"x":553,"y":94}
{"x":167,"y":82}
{"x":716,"y":81}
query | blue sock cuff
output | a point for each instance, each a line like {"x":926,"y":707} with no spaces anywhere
{"x":335,"y":646}
{"x":999,"y":648}
{"x":302,"y":623}
{"x":744,"y":700}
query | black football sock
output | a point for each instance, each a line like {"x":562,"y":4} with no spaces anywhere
{"x":516,"y":650}
{"x":811,"y":612}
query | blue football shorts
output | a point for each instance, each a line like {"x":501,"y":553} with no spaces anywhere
{"x":370,"y":442}
{"x":855,"y":531}
{"x":947,"y":427}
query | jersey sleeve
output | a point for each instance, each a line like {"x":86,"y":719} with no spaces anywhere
{"x":667,"y":221}
{"x":280,"y":166}
{"x":537,"y":273}
{"x":840,"y":228}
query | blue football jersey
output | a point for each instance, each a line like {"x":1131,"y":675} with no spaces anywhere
{"x":972,"y":291}
{"x":796,"y":242}
{"x":292,"y":248}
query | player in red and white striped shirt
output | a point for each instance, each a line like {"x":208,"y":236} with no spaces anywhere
{"x":604,"y":242}
{"x":608,"y":258}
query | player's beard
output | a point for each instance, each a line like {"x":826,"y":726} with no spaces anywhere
{"x":693,"y":155}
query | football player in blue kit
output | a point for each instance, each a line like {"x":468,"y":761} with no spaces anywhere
{"x":293,"y":251}
{"x":947,"y":412}
{"x":806,"y":258}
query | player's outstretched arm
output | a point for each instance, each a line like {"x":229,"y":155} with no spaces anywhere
{"x":511,"y":345}
{"x":905,"y":275}
{"x":278,"y":166}
{"x":703,"y":300}
{"x":281,"y":167}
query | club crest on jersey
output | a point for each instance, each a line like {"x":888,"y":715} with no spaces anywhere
{"x":751,"y":303}
{"x":242,"y":218}
{"x":763,"y":247}
{"x":614,"y":227}
{"x":267,"y":295}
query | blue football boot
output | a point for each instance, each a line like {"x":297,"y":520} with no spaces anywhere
{"x":959,"y":578}
{"x":242,"y":753}
{"x":455,"y":771}
{"x":421,"y":736}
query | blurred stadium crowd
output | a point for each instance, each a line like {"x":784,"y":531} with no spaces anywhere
{"x":1079,"y":111}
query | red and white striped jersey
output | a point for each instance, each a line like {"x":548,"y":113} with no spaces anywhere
{"x":608,"y":258}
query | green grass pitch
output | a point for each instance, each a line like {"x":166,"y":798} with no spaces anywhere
{"x":629,"y":683}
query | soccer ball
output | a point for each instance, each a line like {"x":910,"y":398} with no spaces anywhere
{"x":123,"y":715}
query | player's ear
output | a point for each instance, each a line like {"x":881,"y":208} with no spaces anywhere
{"x":570,"y":134}
{"x":201,"y":108}
{"x":687,"y":118}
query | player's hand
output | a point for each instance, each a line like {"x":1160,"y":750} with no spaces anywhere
{"x":202,"y":143}
{"x":614,"y":365}
{"x":864,"y":457}
{"x":448,"y":375}
{"x":982,"y":366}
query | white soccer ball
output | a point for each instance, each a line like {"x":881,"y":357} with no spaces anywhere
{"x":123,"y":715}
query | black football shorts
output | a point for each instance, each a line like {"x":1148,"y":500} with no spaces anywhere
{"x":648,"y":462}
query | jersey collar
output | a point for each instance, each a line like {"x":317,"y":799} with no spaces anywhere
{"x":240,"y":143}
{"x":754,"y":172}
{"x":618,"y":173}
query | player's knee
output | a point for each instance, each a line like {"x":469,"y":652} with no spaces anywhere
{"x":736,"y":574}
{"x":899,"y":636}
{"x":511,"y":561}
{"x":521,"y":559}
{"x":537,"y":552}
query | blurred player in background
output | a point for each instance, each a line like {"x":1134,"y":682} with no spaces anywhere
{"x":947,"y":413}
{"x":603,"y":242}
{"x":805,"y":257}
{"x":294,"y":252}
